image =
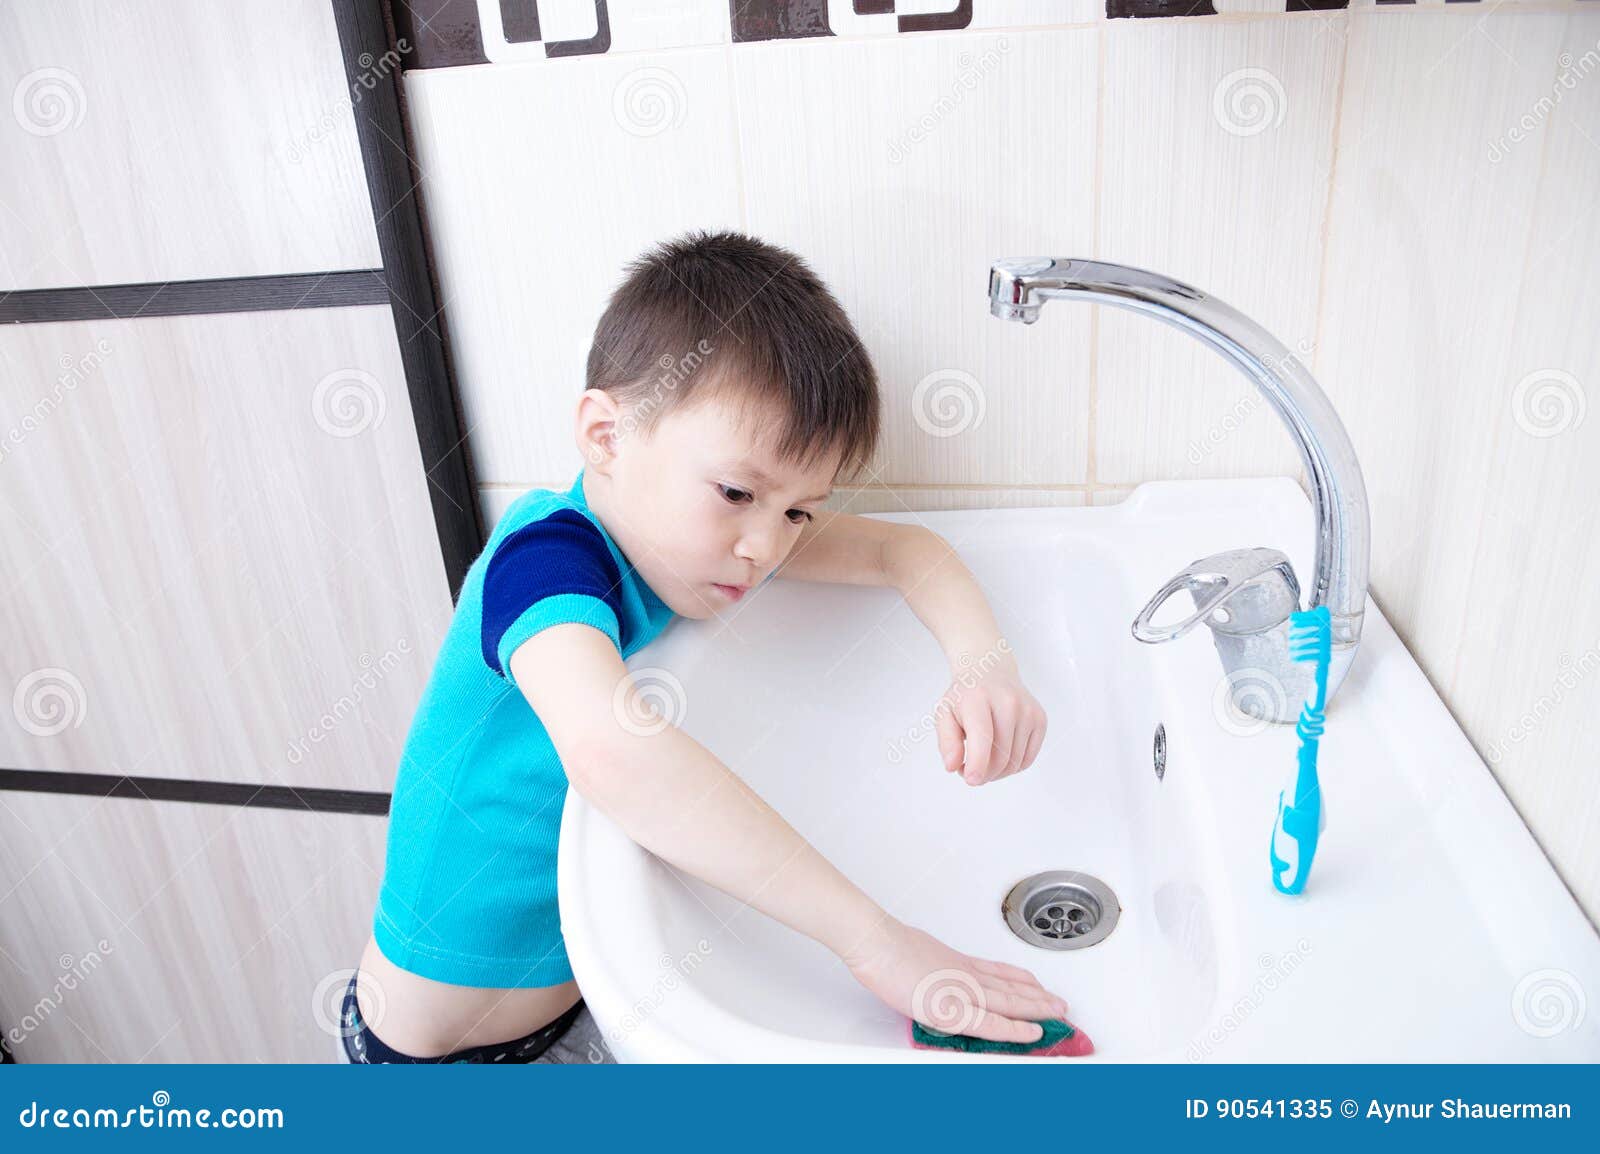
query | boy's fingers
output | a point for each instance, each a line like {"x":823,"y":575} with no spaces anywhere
{"x":1005,"y":970}
{"x":996,"y":1028}
{"x":979,"y":727}
{"x":1019,"y":752}
{"x":949,"y":730}
{"x":1005,"y":729}
{"x":1052,"y":1002}
{"x":1033,"y":990}
{"x":1022,"y":1005}
{"x":1035,"y":740}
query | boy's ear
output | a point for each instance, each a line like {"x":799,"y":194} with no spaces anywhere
{"x":597,"y":429}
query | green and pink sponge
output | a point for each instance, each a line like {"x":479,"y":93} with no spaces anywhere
{"x":1061,"y":1039}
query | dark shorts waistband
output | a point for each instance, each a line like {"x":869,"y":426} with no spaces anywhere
{"x":362,"y":1046}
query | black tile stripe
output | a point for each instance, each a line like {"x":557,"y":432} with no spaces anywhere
{"x":519,"y":20}
{"x":236,"y":793}
{"x":1117,"y":9}
{"x":445,"y":33}
{"x":391,"y":186}
{"x":188,"y":298}
{"x":598,"y":43}
{"x":778,"y":19}
{"x":960,"y":17}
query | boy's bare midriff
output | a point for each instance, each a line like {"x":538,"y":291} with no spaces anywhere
{"x":426,"y":1019}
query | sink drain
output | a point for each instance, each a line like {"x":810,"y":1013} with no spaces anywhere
{"x":1061,"y":910}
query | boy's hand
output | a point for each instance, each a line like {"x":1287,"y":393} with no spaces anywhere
{"x":949,"y":991}
{"x":989,"y":729}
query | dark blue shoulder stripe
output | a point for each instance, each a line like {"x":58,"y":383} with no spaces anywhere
{"x":561,"y":553}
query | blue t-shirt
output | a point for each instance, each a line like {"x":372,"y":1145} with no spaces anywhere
{"x":469,"y":884}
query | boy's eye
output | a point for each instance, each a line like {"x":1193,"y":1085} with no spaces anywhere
{"x":738,"y":497}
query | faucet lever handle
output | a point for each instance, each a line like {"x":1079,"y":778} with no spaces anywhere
{"x":1214,"y":581}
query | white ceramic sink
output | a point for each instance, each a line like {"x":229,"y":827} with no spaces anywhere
{"x":1433,"y":928}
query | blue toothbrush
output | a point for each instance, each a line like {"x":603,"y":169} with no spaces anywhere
{"x":1310,"y":639}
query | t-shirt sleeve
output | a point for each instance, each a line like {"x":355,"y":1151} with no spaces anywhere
{"x":549,"y":572}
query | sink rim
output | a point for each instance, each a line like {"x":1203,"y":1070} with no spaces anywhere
{"x":1443,"y":763}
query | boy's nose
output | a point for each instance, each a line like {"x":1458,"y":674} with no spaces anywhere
{"x":757,"y":552}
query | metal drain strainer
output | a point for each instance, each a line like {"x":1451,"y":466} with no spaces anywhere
{"x":1061,"y":910}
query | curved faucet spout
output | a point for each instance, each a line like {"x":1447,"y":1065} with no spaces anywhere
{"x":1019,"y":288}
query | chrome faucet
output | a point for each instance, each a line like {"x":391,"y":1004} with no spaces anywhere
{"x":1244,"y":596}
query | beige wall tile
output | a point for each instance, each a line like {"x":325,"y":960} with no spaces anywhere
{"x":1526,"y":680}
{"x":540,"y":184}
{"x":1427,"y":253}
{"x":1218,"y":145}
{"x":901,"y":169}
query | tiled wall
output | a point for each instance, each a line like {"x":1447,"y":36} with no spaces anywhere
{"x":1404,"y":193}
{"x":221,"y":581}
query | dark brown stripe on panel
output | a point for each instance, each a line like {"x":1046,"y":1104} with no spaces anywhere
{"x":391,"y":186}
{"x":186,"y":298}
{"x":206,"y":792}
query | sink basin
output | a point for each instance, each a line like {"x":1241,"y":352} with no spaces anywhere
{"x":1432,"y":929}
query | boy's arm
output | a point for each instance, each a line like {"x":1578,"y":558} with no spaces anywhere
{"x":990,"y":726}
{"x":673,"y":797}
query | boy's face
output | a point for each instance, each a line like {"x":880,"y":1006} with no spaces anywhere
{"x":702,"y":508}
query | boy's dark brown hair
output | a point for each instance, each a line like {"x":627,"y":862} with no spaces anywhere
{"x":724,"y":314}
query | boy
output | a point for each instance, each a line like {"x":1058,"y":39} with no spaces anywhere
{"x":726,"y":392}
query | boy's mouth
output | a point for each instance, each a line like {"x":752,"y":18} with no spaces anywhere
{"x":731,"y":592}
